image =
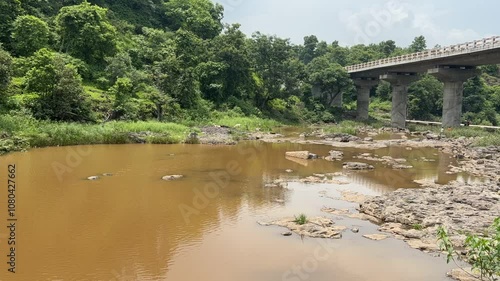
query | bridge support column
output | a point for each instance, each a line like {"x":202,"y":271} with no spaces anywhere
{"x":453,"y":79}
{"x":400,"y":83}
{"x":364,"y":86}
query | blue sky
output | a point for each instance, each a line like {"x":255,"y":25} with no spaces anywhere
{"x":351,"y":22}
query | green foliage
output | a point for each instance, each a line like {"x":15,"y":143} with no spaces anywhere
{"x":425,"y":98}
{"x":9,"y":11}
{"x":483,"y":252}
{"x":202,"y":17}
{"x":5,"y":70}
{"x":417,"y":227}
{"x":86,"y":33}
{"x":384,"y":91}
{"x":331,"y":79}
{"x":29,"y":34}
{"x":301,"y":219}
{"x":419,"y":44}
{"x":59,"y":86}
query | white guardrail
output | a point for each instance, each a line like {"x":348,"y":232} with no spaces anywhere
{"x":470,"y":47}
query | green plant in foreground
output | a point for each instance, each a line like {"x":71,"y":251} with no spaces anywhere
{"x":483,"y":253}
{"x":301,"y":219}
{"x":418,"y":226}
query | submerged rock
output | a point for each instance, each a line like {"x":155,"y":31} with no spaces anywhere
{"x":356,"y":166}
{"x":376,"y":237}
{"x":335,"y":156}
{"x":172,"y":177}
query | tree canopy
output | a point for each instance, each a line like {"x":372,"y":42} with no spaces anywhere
{"x":94,"y":60}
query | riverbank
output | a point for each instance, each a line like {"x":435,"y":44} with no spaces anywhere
{"x":20,"y":133}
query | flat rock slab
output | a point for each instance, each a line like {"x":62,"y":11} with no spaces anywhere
{"x":461,"y":275}
{"x":172,"y":177}
{"x":318,"y":227}
{"x":376,"y":237}
{"x":301,"y":155}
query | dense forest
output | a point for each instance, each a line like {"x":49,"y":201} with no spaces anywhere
{"x":176,"y":61}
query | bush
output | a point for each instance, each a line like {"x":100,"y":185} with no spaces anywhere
{"x":483,"y":253}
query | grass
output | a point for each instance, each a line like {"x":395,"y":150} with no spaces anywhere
{"x":351,"y":127}
{"x":247,"y":123}
{"x":28,"y":132}
{"x":417,"y":227}
{"x":21,"y":132}
{"x":483,"y":137}
{"x":301,"y":219}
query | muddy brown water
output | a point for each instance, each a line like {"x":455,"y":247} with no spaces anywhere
{"x":134,"y":226}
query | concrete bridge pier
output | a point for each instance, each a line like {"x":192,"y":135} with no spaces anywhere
{"x":400,"y":83}
{"x":453,"y":79}
{"x":364,"y":86}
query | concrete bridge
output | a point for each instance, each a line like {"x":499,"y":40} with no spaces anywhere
{"x":452,"y":65}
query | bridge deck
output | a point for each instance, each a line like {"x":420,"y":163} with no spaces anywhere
{"x":480,"y":52}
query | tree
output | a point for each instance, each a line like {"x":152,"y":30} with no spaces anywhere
{"x":387,"y":47}
{"x":59,"y":87}
{"x":425,"y":99}
{"x":29,"y":35}
{"x":228,"y":72}
{"x":85,"y":32}
{"x":308,"y":52}
{"x":384,"y":91}
{"x":419,"y":44}
{"x":201,"y":17}
{"x":361,"y":53}
{"x":271,"y":56}
{"x":331,"y":78}
{"x":9,"y":11}
{"x":5,"y":69}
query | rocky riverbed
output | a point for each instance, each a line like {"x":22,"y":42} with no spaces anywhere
{"x":413,"y":215}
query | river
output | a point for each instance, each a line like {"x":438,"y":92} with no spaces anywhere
{"x":132,"y":225}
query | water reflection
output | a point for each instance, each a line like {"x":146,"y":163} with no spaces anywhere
{"x":135,"y":225}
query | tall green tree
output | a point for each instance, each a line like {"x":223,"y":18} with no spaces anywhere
{"x":29,"y":35}
{"x":202,"y":17}
{"x":228,"y":73}
{"x":271,"y":57}
{"x":308,"y":51}
{"x":86,"y":33}
{"x":419,"y":44}
{"x":331,"y":78}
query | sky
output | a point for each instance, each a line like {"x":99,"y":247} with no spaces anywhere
{"x":351,"y":22}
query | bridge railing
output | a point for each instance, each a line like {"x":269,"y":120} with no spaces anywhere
{"x":469,"y":47}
